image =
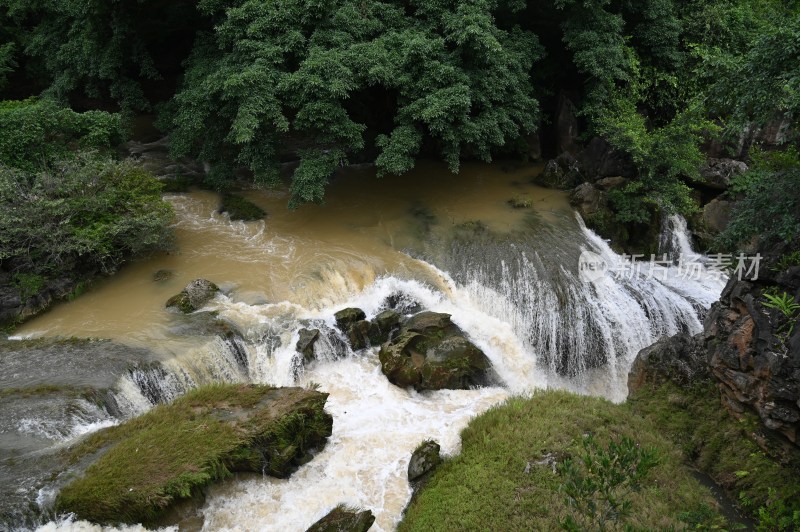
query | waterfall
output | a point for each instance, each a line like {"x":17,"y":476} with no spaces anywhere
{"x":524,"y":300}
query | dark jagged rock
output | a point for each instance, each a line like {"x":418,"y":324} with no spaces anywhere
{"x":680,"y":359}
{"x":424,"y":460}
{"x":388,"y":322}
{"x":402,"y":303}
{"x":431,"y":353}
{"x":344,"y":519}
{"x":363,"y":334}
{"x":600,"y":160}
{"x":756,"y":368}
{"x":305,"y":344}
{"x":717,"y":173}
{"x":194,"y":296}
{"x":345,"y":318}
{"x":563,"y":173}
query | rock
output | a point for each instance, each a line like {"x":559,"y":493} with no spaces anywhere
{"x":757,"y":370}
{"x":347,"y":317}
{"x":599,"y":160}
{"x":567,"y":133}
{"x":155,"y":158}
{"x":194,"y":296}
{"x":344,"y":519}
{"x":679,"y":358}
{"x":238,"y":208}
{"x":432,"y":353}
{"x":402,"y":303}
{"x":364,"y":334}
{"x":388,"y":321}
{"x":588,"y":199}
{"x":424,"y":460}
{"x":173,"y":452}
{"x":717,"y":173}
{"x":305,"y":344}
{"x":717,"y":215}
{"x":608,"y":183}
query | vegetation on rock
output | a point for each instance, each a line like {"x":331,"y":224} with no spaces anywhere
{"x":172,"y":452}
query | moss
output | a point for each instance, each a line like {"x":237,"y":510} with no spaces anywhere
{"x":720,"y":445}
{"x":239,"y":208}
{"x":174,"y":451}
{"x":503,"y":479}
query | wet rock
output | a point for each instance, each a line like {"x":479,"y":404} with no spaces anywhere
{"x":364,"y":334}
{"x":345,"y":318}
{"x":717,"y":173}
{"x":344,"y":519}
{"x":387,"y":321}
{"x":402,"y":303}
{"x":238,"y":208}
{"x":424,"y":460}
{"x":679,"y":358}
{"x":305,"y":344}
{"x":194,"y":296}
{"x":174,"y":452}
{"x":588,"y":199}
{"x":717,"y":215}
{"x":432,"y":353}
{"x":563,"y":173}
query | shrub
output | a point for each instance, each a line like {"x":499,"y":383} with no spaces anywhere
{"x":87,"y":211}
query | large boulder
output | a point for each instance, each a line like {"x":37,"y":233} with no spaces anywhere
{"x":588,"y":200}
{"x":173,"y":452}
{"x":717,"y":215}
{"x":680,"y":359}
{"x":344,"y":519}
{"x":194,"y":296}
{"x":563,"y":173}
{"x":432,"y":353}
{"x":717,"y":173}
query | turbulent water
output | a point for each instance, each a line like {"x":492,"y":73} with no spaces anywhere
{"x":516,"y":281}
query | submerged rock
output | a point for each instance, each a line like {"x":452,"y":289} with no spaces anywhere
{"x":432,"y":353}
{"x":174,"y":451}
{"x":194,"y":296}
{"x":238,"y":208}
{"x":424,"y":460}
{"x":344,"y":519}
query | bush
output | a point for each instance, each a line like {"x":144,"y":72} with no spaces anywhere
{"x":36,"y":132}
{"x":88,"y":211}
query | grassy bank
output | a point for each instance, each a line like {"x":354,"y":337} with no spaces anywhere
{"x":512,"y":472}
{"x":175,"y":450}
{"x":725,"y":448}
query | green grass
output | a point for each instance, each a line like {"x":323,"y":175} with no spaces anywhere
{"x":175,"y":450}
{"x":721,"y":446}
{"x":495,"y":482}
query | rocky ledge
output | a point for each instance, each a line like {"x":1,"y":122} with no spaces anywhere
{"x":144,"y":466}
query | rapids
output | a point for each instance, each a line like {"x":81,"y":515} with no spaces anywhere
{"x":514,"y":282}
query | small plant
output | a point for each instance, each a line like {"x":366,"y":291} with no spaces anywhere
{"x":787,"y":306}
{"x":598,"y":483}
{"x":28,"y":284}
{"x":786,"y":261}
{"x":521,"y":201}
{"x":775,"y":516}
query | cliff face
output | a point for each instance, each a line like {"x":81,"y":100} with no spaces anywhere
{"x":754,"y":352}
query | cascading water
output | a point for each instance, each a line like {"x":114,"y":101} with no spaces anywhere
{"x":519,"y":295}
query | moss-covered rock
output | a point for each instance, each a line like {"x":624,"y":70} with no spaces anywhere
{"x":238,"y":208}
{"x":347,"y":317}
{"x":344,"y":519}
{"x":174,"y":451}
{"x":423,"y":460}
{"x":194,"y":296}
{"x":431,"y":353}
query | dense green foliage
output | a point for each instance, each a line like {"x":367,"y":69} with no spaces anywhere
{"x":506,"y":475}
{"x":769,"y":204}
{"x":339,"y":81}
{"x":86,"y":212}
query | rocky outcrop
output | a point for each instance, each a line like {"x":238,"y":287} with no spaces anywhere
{"x":362,"y":333}
{"x":753,"y":356}
{"x":154,"y":157}
{"x":717,"y":173}
{"x":173,"y":452}
{"x":424,"y":460}
{"x":17,"y":306}
{"x":599,"y":160}
{"x":431,"y":353}
{"x":194,"y":296}
{"x":717,"y":216}
{"x":680,"y":359}
{"x":344,"y":519}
